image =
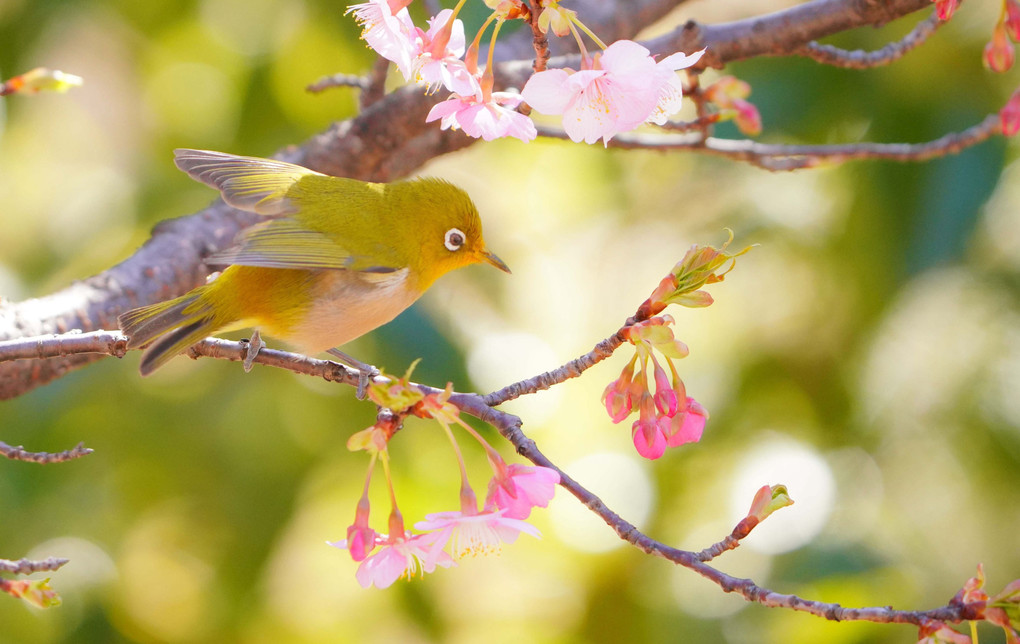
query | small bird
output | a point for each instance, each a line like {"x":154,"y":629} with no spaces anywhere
{"x":335,"y":258}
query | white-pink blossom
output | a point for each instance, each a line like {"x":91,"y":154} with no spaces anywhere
{"x":623,"y":88}
{"x":475,"y":534}
{"x":482,"y":119}
{"x":521,"y":488}
{"x":400,"y":557}
{"x":390,"y":34}
{"x":436,"y":56}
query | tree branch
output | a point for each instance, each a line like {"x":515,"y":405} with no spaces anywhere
{"x":28,"y":566}
{"x":860,"y":59}
{"x":18,"y":453}
{"x":390,"y":139}
{"x":777,"y":156}
{"x":511,"y":428}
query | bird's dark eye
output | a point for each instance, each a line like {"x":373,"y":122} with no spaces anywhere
{"x":454,"y":239}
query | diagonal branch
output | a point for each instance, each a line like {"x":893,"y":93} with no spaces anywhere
{"x":511,"y":428}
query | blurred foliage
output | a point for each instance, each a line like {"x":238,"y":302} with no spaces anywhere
{"x":867,"y":353}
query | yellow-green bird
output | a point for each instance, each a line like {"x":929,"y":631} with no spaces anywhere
{"x":335,"y":259}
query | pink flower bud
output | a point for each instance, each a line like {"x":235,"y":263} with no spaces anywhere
{"x":945,"y":8}
{"x":360,"y":537}
{"x":1013,"y":20}
{"x":360,"y":542}
{"x":617,"y":396}
{"x":998,"y":54}
{"x":648,"y":438}
{"x":767,"y":500}
{"x":665,"y":398}
{"x":748,"y":118}
{"x":688,"y":425}
{"x":521,"y":488}
{"x":1010,"y":115}
{"x":723,"y":91}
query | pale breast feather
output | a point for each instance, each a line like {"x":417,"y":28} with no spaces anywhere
{"x":349,"y":304}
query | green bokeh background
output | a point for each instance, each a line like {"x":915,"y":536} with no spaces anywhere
{"x":867,"y":353}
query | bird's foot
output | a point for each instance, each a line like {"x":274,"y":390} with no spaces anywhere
{"x":366,"y":372}
{"x":255,"y":345}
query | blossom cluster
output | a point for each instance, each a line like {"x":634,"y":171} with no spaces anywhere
{"x":34,"y":591}
{"x":1001,"y":609}
{"x":668,"y":417}
{"x":999,"y":53}
{"x":443,"y":537}
{"x":615,"y":90}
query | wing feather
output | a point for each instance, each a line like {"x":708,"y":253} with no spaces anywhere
{"x":249,"y":183}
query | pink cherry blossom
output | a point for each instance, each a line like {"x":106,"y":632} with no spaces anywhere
{"x":475,"y":534}
{"x":619,"y":90}
{"x":487,"y":120}
{"x":400,"y":557}
{"x":390,"y":34}
{"x":671,"y":91}
{"x":522,"y":488}
{"x":436,"y":56}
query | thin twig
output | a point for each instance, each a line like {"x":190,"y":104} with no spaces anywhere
{"x":731,"y":541}
{"x":510,"y":428}
{"x":337,"y":80}
{"x":781,"y":157}
{"x":572,"y":369}
{"x":65,"y":344}
{"x":28,"y":566}
{"x":540,"y":41}
{"x":18,"y":453}
{"x":860,"y":59}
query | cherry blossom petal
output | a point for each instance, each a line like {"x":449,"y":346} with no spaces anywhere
{"x":531,"y":486}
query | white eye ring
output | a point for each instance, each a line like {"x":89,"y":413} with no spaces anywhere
{"x":454,"y":239}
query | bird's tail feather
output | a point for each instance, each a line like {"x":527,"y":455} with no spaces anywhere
{"x":171,"y":327}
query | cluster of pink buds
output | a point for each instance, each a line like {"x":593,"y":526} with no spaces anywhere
{"x":667,"y":417}
{"x":730,"y":95}
{"x":34,"y":591}
{"x":1002,"y":609}
{"x":615,"y":90}
{"x":443,"y":537}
